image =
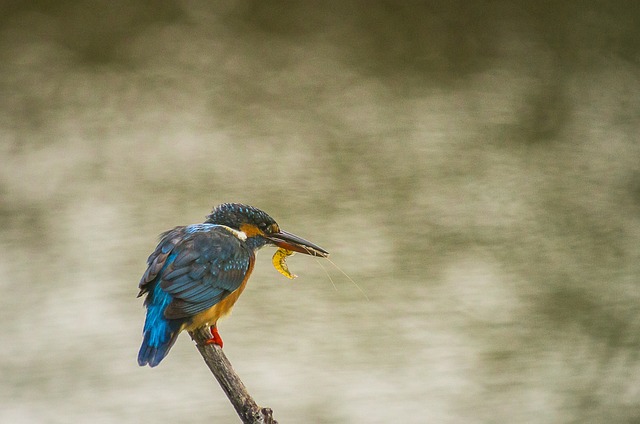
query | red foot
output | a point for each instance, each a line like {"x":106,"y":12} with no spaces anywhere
{"x":215,"y":337}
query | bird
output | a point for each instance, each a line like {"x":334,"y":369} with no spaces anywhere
{"x":197,"y":272}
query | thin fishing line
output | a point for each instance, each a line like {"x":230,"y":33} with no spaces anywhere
{"x":350,"y":279}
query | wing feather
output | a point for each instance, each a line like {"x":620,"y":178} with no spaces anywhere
{"x":198,"y":267}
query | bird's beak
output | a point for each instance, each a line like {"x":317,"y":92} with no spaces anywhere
{"x":290,"y":241}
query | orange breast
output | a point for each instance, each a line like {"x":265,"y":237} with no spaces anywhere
{"x":217,"y":311}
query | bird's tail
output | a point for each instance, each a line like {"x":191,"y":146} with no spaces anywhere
{"x":152,"y":351}
{"x":159,"y":333}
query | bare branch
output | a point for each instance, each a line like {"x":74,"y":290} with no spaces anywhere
{"x":216,"y":360}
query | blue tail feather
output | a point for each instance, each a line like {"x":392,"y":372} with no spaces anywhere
{"x":152,"y":355}
{"x":159,"y":333}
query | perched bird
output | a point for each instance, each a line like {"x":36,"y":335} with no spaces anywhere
{"x":197,"y":273}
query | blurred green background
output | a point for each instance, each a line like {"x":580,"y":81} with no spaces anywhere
{"x":473,"y":166}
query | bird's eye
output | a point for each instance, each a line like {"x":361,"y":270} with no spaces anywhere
{"x":263,"y":227}
{"x":268,"y":228}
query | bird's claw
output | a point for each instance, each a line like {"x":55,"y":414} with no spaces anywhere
{"x":215,"y":337}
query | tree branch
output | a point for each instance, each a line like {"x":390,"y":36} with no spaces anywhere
{"x":216,"y":360}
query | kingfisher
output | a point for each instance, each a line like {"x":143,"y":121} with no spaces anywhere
{"x":197,"y":272}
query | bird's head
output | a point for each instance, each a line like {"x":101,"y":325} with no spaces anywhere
{"x":258,"y":226}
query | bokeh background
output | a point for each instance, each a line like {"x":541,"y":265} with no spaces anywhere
{"x":473,"y":166}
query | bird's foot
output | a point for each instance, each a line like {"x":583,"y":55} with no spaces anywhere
{"x":215,"y":337}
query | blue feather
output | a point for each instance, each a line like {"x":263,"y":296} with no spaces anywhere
{"x":159,"y":333}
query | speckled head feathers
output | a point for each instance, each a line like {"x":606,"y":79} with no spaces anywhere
{"x":234,"y":215}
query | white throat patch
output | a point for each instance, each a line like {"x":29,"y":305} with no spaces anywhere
{"x":240,"y":234}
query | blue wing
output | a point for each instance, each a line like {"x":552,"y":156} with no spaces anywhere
{"x":192,"y":269}
{"x":197,"y":266}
